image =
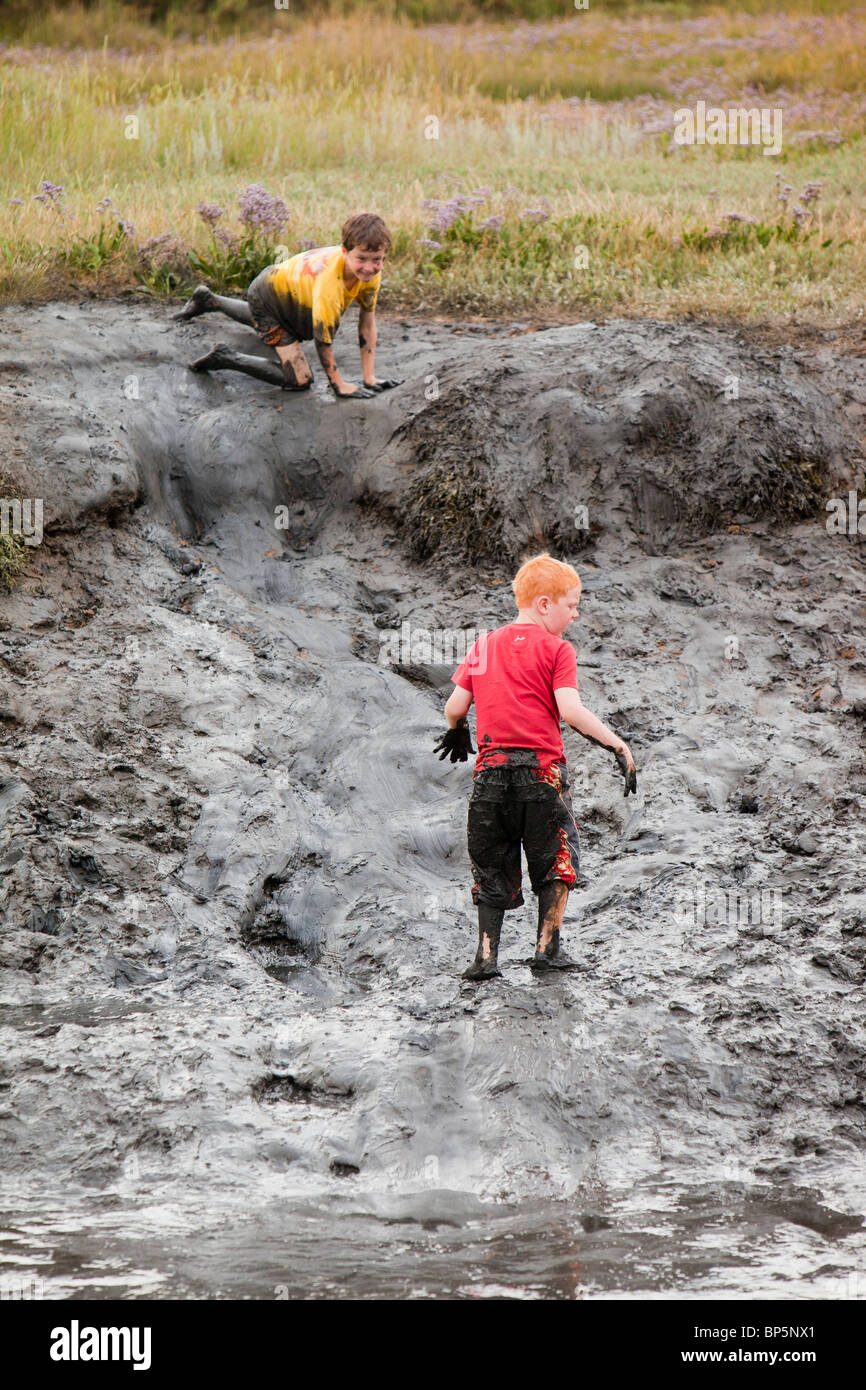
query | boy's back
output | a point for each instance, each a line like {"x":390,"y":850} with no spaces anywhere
{"x":512,"y":673}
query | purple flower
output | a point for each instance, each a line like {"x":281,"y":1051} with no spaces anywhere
{"x":443,"y":213}
{"x":306,"y":244}
{"x":105,"y":205}
{"x":261,"y":211}
{"x":19,"y":202}
{"x":534,"y":215}
{"x":811,"y":193}
{"x":494,"y":222}
{"x":426,"y":241}
{"x":51,"y":194}
{"x":210,"y":213}
{"x":229,"y":241}
{"x":163,"y":252}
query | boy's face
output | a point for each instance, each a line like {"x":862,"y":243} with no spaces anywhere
{"x":558,"y":614}
{"x":362,"y":263}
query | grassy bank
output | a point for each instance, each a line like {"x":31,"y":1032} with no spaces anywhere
{"x":526,"y":167}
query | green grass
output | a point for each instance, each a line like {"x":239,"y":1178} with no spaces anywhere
{"x":341,"y":123}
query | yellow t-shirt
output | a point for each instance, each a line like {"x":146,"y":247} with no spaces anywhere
{"x":313,"y":295}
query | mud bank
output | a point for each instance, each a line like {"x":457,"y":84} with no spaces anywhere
{"x":233,"y":878}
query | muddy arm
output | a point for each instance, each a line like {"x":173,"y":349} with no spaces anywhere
{"x":457,"y":706}
{"x":329,"y":365}
{"x":575,"y":713}
{"x":367,"y":334}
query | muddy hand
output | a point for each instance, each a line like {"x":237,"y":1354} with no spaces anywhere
{"x":387,"y":385}
{"x":457,"y":742}
{"x":357,"y":393}
{"x":629,"y":772}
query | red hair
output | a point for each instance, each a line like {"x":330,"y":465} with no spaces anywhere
{"x":542,"y":575}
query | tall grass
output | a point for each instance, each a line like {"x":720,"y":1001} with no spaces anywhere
{"x":86,"y":22}
{"x":564,"y":125}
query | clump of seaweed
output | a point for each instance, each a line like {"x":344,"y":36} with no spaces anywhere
{"x":450,"y":511}
{"x":14,"y":552}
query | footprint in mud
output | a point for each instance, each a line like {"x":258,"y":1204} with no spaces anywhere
{"x":275,"y":1088}
{"x":83,"y":868}
{"x":283,"y":935}
{"x":342,"y":1169}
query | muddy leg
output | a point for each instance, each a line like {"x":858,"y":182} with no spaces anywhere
{"x":551,"y":909}
{"x":204,"y":301}
{"x":225,"y":358}
{"x":484,"y":966}
{"x":295,"y":365}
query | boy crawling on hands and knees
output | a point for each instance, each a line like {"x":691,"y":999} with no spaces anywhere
{"x":305,"y":298}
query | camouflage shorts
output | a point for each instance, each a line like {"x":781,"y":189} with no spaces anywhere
{"x":269,"y":317}
{"x":521,"y":806}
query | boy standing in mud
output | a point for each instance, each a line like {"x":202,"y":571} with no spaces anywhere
{"x":305,"y":297}
{"x":523,"y":679}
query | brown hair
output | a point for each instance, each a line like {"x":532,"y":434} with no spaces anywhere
{"x":543,"y":575}
{"x":367,"y":230}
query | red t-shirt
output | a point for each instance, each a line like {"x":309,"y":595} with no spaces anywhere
{"x":512,"y":673}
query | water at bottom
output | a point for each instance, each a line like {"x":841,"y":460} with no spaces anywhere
{"x":655,"y":1242}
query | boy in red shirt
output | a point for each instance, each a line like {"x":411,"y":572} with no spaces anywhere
{"x":523,"y":679}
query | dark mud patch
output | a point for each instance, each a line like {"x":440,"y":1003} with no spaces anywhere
{"x":344,"y":1169}
{"x":274,"y":1089}
{"x":450,"y":507}
{"x":806,"y":1211}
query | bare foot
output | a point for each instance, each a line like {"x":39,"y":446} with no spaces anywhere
{"x":212,"y":360}
{"x":200,"y":302}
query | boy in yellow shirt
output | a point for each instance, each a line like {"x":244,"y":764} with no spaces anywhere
{"x":305,"y":297}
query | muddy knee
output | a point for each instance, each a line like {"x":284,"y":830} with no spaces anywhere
{"x":296,"y":380}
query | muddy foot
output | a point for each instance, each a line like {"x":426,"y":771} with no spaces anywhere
{"x":483,"y":970}
{"x":200,"y":302}
{"x":217,"y":357}
{"x":542,"y":962}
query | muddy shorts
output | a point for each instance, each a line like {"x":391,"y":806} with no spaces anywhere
{"x":514,"y":806}
{"x":270,"y":318}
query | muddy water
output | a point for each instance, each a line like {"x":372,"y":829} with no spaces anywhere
{"x":238,"y":1058}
